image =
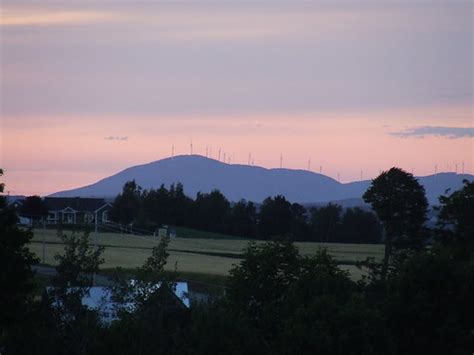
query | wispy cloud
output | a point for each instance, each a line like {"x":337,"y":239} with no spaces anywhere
{"x":449,"y":132}
{"x":13,"y":17}
{"x":116,"y":138}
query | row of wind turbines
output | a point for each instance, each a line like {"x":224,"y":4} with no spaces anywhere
{"x":224,"y":157}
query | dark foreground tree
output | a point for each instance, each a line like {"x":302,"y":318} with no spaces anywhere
{"x":301,"y":305}
{"x":149,"y":318}
{"x":456,"y":215}
{"x":75,"y":324}
{"x":16,"y":274}
{"x":401,"y":205}
{"x":428,"y":303}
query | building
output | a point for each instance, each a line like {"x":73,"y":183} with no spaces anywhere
{"x":77,"y":210}
{"x":100,"y":299}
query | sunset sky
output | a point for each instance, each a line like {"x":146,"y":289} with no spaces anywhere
{"x":89,"y":88}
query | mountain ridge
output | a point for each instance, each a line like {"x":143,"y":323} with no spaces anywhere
{"x":253,"y":183}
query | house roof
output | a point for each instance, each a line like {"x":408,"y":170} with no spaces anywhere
{"x":76,"y":203}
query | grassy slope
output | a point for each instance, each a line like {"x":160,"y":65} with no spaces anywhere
{"x":195,"y":252}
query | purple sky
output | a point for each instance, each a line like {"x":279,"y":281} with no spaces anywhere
{"x":91,"y":87}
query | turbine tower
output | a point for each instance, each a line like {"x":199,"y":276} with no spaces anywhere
{"x":281,"y":160}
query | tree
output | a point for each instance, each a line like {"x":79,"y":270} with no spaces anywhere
{"x":263,"y":276}
{"x":16,"y":276}
{"x":34,"y":207}
{"x":299,"y":223}
{"x":74,"y":322}
{"x":126,"y":205}
{"x":326,"y":222}
{"x":244,"y":219}
{"x":149,"y":320}
{"x":301,"y":305}
{"x":428,"y":302}
{"x":401,"y":205}
{"x":181,"y":205}
{"x":275,"y":217}
{"x":456,"y":214}
{"x":79,"y":263}
{"x":212,"y":212}
{"x":359,"y":226}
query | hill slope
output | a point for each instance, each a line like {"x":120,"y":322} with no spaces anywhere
{"x":253,"y":183}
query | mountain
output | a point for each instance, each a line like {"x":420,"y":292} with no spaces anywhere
{"x":198,"y":173}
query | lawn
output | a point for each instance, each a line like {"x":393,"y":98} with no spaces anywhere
{"x":193,"y":252}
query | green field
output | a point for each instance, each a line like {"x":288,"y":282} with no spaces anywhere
{"x":192,"y":251}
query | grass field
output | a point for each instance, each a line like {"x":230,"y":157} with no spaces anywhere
{"x":193,"y":252}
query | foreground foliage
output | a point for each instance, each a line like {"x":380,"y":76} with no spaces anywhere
{"x":279,"y":302}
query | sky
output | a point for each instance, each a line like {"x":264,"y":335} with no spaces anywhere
{"x":346,"y":87}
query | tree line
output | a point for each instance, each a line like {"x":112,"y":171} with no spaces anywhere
{"x":417,"y":300}
{"x":213,"y":212}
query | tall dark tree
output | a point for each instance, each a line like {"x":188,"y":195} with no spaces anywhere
{"x":401,"y":205}
{"x":326,"y":222}
{"x":244,"y":219}
{"x":456,"y":214}
{"x":299,"y":222}
{"x":212,"y":211}
{"x":75,"y":324}
{"x":181,"y":205}
{"x":33,"y":207}
{"x":156,"y":206}
{"x":16,"y":276}
{"x":275,"y":217}
{"x":126,"y":206}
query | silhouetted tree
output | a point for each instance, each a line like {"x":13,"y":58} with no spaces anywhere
{"x":33,"y":207}
{"x":126,"y":206}
{"x":156,"y":206}
{"x":428,"y":302}
{"x":299,"y":222}
{"x":212,"y":212}
{"x":75,"y":323}
{"x":244,"y":219}
{"x":275,"y":217}
{"x":401,"y":205}
{"x":359,"y":226}
{"x":16,"y":276}
{"x":326,"y":223}
{"x":263,"y":276}
{"x":456,"y":214}
{"x":181,"y":206}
